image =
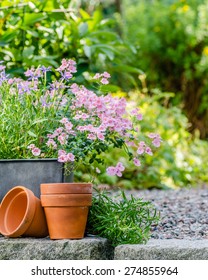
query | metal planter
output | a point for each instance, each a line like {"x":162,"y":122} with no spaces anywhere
{"x":30,"y":173}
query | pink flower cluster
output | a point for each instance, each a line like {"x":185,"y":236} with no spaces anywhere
{"x":103,"y":78}
{"x":60,"y":135}
{"x":90,"y":122}
{"x":156,"y":139}
{"x":106,"y":113}
{"x":67,"y":68}
{"x":65,"y":157}
{"x":135,"y":112}
{"x":115,"y":170}
{"x":67,"y":65}
{"x":143,"y":148}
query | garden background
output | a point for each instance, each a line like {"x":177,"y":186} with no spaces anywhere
{"x":157,"y":54}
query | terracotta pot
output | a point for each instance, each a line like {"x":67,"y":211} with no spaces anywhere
{"x":66,"y":207}
{"x":21,"y":214}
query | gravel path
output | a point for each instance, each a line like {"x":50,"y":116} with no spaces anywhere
{"x":184,"y":213}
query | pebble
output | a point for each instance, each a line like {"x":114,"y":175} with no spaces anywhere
{"x":184,"y":212}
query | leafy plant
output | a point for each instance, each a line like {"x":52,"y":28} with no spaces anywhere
{"x":121,"y":220}
{"x":172,"y":42}
{"x":64,"y":120}
{"x":44,"y":32}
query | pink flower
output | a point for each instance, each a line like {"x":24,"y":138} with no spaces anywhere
{"x":58,"y":131}
{"x":152,"y":135}
{"x":91,"y":136}
{"x":137,"y":162}
{"x":61,"y":152}
{"x":97,"y":76}
{"x":81,"y":128}
{"x":64,"y":121}
{"x":84,"y":116}
{"x":62,"y":158}
{"x":120,"y":166}
{"x":68,"y":65}
{"x":104,"y":81}
{"x":68,"y":126}
{"x":156,"y":139}
{"x":31,"y":146}
{"x":51,"y":143}
{"x":134,"y":112}
{"x":61,"y":140}
{"x":148,"y":151}
{"x":117,"y":170}
{"x":106,"y":75}
{"x":100,"y":136}
{"x":70,"y":157}
{"x":111,"y":170}
{"x":156,"y":142}
{"x":140,"y":150}
{"x":139,"y":117}
{"x":130,"y":143}
{"x":36,"y":151}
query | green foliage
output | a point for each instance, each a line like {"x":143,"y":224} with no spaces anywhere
{"x":44,"y":32}
{"x":121,"y":220}
{"x":181,"y":161}
{"x":172,"y":42}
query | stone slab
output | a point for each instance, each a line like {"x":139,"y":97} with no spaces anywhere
{"x":89,"y":248}
{"x":168,"y":249}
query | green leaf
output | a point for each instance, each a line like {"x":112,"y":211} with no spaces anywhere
{"x":104,"y":34}
{"x":31,"y":133}
{"x":40,"y":121}
{"x":83,"y":29}
{"x":84,"y":14}
{"x":28,"y":52}
{"x":109,"y":88}
{"x":7,"y":37}
{"x":127,"y":68}
{"x":87,"y":51}
{"x":31,"y":19}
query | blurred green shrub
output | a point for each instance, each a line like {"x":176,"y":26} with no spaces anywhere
{"x":44,"y":32}
{"x":172,"y":42}
{"x":181,"y":161}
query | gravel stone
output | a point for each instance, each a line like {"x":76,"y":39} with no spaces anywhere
{"x":183,"y":212}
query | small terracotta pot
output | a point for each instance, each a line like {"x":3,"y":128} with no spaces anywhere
{"x":21,"y":214}
{"x":66,"y":207}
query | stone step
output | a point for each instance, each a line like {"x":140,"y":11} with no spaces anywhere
{"x":96,"y":248}
{"x":89,"y":248}
{"x":160,"y":249}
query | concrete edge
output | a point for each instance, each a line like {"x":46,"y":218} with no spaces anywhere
{"x":164,"y":249}
{"x":88,"y":248}
{"x":97,"y":248}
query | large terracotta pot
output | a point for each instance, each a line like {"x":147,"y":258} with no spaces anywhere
{"x":21,"y":214}
{"x":66,"y":207}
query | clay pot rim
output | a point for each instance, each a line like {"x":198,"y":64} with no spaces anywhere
{"x":28,"y":215}
{"x":66,"y":188}
{"x":65,"y":184}
{"x":68,"y":200}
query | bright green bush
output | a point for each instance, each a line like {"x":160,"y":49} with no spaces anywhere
{"x":181,"y":161}
{"x":120,"y":219}
{"x":172,"y":42}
